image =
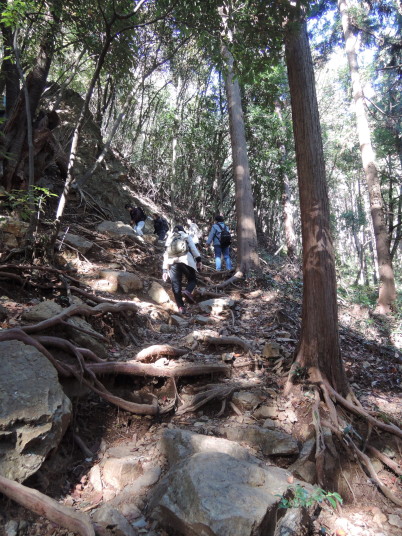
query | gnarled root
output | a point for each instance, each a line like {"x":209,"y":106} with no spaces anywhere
{"x":234,"y":341}
{"x":45,"y":506}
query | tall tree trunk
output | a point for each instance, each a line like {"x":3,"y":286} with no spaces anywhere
{"x":246,"y":231}
{"x":319,"y":349}
{"x":387,"y":293}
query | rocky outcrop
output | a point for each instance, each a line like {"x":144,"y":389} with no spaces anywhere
{"x":34,"y":411}
{"x":115,"y":229}
{"x":49,"y":308}
{"x":77,"y":242}
{"x":12,"y":231}
{"x":216,"y":487}
{"x":125,"y":281}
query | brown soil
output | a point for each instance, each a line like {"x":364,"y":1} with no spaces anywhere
{"x":268,"y":310}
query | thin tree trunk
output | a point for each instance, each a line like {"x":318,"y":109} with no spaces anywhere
{"x":246,"y":231}
{"x":387,"y":293}
{"x":76,"y":136}
{"x":319,"y":349}
{"x":287,"y":209}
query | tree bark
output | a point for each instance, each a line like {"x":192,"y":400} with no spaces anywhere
{"x":287,"y":209}
{"x":319,"y":349}
{"x":246,"y":231}
{"x":15,"y":129}
{"x":387,"y":292}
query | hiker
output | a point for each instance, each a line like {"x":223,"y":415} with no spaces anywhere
{"x":138,"y":218}
{"x":181,"y":258}
{"x":194,"y":231}
{"x":161,"y":226}
{"x":221,"y":239}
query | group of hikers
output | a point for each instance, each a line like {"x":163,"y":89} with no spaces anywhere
{"x":182,"y":256}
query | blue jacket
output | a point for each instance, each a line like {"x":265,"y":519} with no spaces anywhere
{"x":214,"y":233}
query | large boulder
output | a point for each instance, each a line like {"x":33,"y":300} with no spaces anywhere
{"x":34,"y":411}
{"x":77,"y":242}
{"x":116,"y":229}
{"x":215,"y":494}
{"x":118,"y":279}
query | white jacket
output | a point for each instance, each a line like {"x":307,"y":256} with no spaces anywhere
{"x":195,"y":232}
{"x":188,"y":258}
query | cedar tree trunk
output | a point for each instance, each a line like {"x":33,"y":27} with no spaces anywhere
{"x":246,"y":230}
{"x":318,"y":349}
{"x":387,"y":293}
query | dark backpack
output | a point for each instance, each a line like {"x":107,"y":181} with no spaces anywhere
{"x":143,"y":215}
{"x":224,"y":237}
{"x":165,"y":225}
{"x":178,"y":246}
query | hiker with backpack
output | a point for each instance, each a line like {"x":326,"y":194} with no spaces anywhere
{"x":138,"y":218}
{"x":221,"y":238}
{"x":161,"y":226}
{"x":181,"y":258}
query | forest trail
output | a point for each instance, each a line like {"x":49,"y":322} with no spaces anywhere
{"x":246,"y":333}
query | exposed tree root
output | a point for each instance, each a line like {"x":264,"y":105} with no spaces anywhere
{"x":385,"y":460}
{"x":211,"y":392}
{"x":347,"y":440}
{"x":204,"y":293}
{"x":32,"y":268}
{"x":369,"y":466}
{"x":84,"y":370}
{"x":45,"y":506}
{"x":17,"y":334}
{"x":150,"y":369}
{"x":159,"y":350}
{"x":238,"y":276}
{"x":82,"y":309}
{"x":234,"y":341}
{"x":346,"y":433}
{"x":358,"y":410}
{"x":80,"y":443}
{"x":319,"y":441}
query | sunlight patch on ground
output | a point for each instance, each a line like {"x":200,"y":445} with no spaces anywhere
{"x":390,"y":404}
